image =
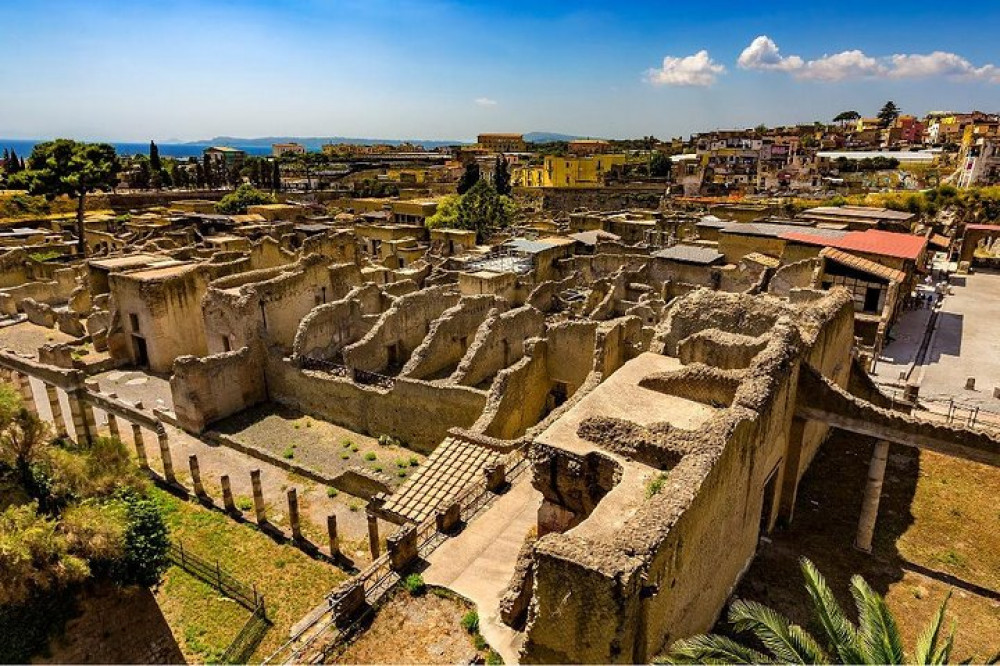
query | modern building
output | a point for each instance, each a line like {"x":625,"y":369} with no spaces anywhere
{"x":229,"y":156}
{"x":279,"y":149}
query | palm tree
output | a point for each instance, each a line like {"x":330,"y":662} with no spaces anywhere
{"x":874,"y":640}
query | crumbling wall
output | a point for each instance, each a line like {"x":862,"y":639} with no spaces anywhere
{"x":13,"y":268}
{"x":399,"y":330}
{"x":499,"y":342}
{"x":205,"y":390}
{"x":519,"y":396}
{"x":417,"y":412}
{"x":791,"y":276}
{"x":449,"y":337}
{"x":268,"y":253}
{"x":571,"y":347}
{"x":329,"y":328}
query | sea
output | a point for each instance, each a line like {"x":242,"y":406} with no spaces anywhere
{"x":23,"y":148}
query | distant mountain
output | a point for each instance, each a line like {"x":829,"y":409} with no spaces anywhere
{"x":542,"y":137}
{"x":313,"y":142}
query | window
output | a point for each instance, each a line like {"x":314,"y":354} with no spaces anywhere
{"x":133,"y":322}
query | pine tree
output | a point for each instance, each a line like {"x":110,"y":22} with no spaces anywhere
{"x":888,"y":114}
{"x":14,"y":165}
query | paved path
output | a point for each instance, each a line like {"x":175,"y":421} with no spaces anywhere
{"x":479,"y":562}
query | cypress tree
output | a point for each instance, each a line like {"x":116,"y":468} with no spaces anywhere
{"x":154,"y":157}
{"x":209,"y":172}
{"x":275,"y":176}
{"x":469,"y":178}
{"x":14,"y":165}
{"x":501,"y":176}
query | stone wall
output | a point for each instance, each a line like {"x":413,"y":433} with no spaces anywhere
{"x":418,"y":412}
{"x":402,"y":327}
{"x":519,"y":395}
{"x":329,"y":328}
{"x":450,"y":336}
{"x":499,"y":342}
{"x":205,"y":390}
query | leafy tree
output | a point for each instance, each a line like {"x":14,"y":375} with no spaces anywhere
{"x":147,"y":543}
{"x":874,"y":640}
{"x":501,"y":176}
{"x":660,"y":166}
{"x":74,"y":169}
{"x":22,"y":436}
{"x":34,"y":555}
{"x":846,"y":117}
{"x":480,"y":209}
{"x":469,"y":177}
{"x":888,"y":113}
{"x":236,"y":203}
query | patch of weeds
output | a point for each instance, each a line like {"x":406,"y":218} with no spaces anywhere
{"x":655,"y":486}
{"x":244,"y":503}
{"x":378,"y":468}
{"x":345,"y":456}
{"x":371,"y":456}
{"x":354,"y":507}
{"x":401,"y":473}
{"x":296,"y":426}
{"x":479,"y":641}
{"x":309,"y":424}
{"x":470,"y":622}
{"x":951,"y":558}
{"x":414,"y":461}
{"x":493,"y":658}
{"x":355,"y":448}
{"x":415,"y":585}
{"x":346,"y":443}
{"x":288,"y":453}
{"x":402,"y":464}
{"x":332,"y":492}
{"x":389,"y":440}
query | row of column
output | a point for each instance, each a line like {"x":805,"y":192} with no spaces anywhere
{"x":85,"y":427}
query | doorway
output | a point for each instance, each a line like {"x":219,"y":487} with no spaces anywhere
{"x":767,"y":502}
{"x":141,"y":351}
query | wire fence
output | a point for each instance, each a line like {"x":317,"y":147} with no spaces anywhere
{"x":211,"y":573}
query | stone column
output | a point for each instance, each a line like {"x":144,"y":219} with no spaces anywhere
{"x":331,"y":529}
{"x":293,"y":514}
{"x":57,"y":415}
{"x":373,"y":534}
{"x":140,"y":446}
{"x":168,"y":463}
{"x":27,"y":396}
{"x":77,"y":410}
{"x":91,"y":417}
{"x":227,"y":494}
{"x":873,"y":493}
{"x":113,"y":426}
{"x":258,"y":497}
{"x":199,"y":489}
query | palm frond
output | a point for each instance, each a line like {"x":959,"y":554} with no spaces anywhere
{"x":878,"y":633}
{"x":927,"y":642}
{"x":840,"y":632}
{"x":788,"y":643}
{"x":713,"y":649}
{"x":943,"y":654}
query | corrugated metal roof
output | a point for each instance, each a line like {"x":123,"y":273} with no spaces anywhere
{"x":772,"y":230}
{"x":689,"y":254}
{"x":862,"y":264}
{"x":591,"y":237}
{"x":529,"y":246}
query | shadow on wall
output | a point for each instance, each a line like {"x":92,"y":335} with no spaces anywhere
{"x":823,"y":529}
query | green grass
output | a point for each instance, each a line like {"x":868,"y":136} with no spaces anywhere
{"x":290,"y":581}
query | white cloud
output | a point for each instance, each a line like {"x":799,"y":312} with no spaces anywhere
{"x":941,"y":63}
{"x":763,"y":54}
{"x":485,"y":101}
{"x":839,"y":66}
{"x":693,"y":70}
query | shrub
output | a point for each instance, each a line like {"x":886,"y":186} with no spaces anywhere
{"x":479,"y":641}
{"x":470,"y":622}
{"x":370,"y":456}
{"x":288,"y":453}
{"x":331,"y":492}
{"x":493,"y":658}
{"x":236,"y":202}
{"x":402,"y":464}
{"x":345,"y":456}
{"x":656,"y":485}
{"x":415,"y":585}
{"x":378,"y":468}
{"x":346,"y":443}
{"x":401,"y":473}
{"x":354,"y":507}
{"x":414,"y":461}
{"x":244,"y":503}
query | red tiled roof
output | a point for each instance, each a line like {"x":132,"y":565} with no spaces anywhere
{"x":870,"y":241}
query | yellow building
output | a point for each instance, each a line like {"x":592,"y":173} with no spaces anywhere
{"x":502,"y":142}
{"x":569,"y":171}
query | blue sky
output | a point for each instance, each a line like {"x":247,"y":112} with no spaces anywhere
{"x":137,"y":70}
